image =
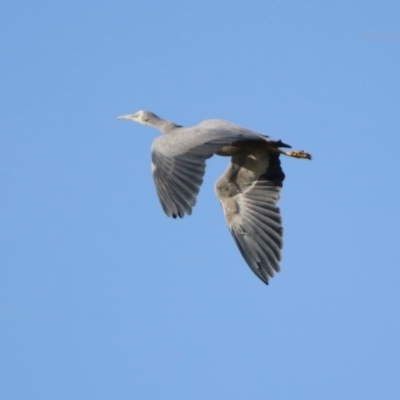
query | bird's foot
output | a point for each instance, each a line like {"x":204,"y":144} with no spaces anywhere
{"x":298,"y":154}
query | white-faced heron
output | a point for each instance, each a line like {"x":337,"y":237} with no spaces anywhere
{"x":248,"y":190}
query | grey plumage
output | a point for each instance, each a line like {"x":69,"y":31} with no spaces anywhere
{"x":248,"y":190}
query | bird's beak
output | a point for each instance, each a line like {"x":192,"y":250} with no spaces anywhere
{"x":128,"y":116}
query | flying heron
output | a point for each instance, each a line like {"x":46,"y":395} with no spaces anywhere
{"x":248,"y":190}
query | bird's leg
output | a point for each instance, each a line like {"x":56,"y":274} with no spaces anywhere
{"x":293,"y":153}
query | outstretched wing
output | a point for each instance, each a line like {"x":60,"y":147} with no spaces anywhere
{"x":248,"y":191}
{"x":178,"y":180}
{"x":179,"y":161}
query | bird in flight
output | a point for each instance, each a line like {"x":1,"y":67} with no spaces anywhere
{"x":248,"y":190}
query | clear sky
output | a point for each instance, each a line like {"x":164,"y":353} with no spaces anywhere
{"x":104,"y":297}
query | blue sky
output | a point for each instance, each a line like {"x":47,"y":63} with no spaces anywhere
{"x":104,"y":297}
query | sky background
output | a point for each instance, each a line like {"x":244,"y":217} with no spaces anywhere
{"x":104,"y":297}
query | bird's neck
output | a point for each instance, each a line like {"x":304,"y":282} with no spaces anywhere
{"x":165,"y":126}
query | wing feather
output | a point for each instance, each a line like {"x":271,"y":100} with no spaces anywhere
{"x":178,"y":181}
{"x":249,"y":191}
{"x":263,"y":233}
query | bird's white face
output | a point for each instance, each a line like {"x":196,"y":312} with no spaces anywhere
{"x":142,"y":117}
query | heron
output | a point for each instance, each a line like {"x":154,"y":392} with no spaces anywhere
{"x":248,"y":190}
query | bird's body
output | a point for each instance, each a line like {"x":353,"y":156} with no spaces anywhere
{"x":248,"y":190}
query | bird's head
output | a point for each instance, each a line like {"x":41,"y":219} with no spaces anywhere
{"x":143,"y":117}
